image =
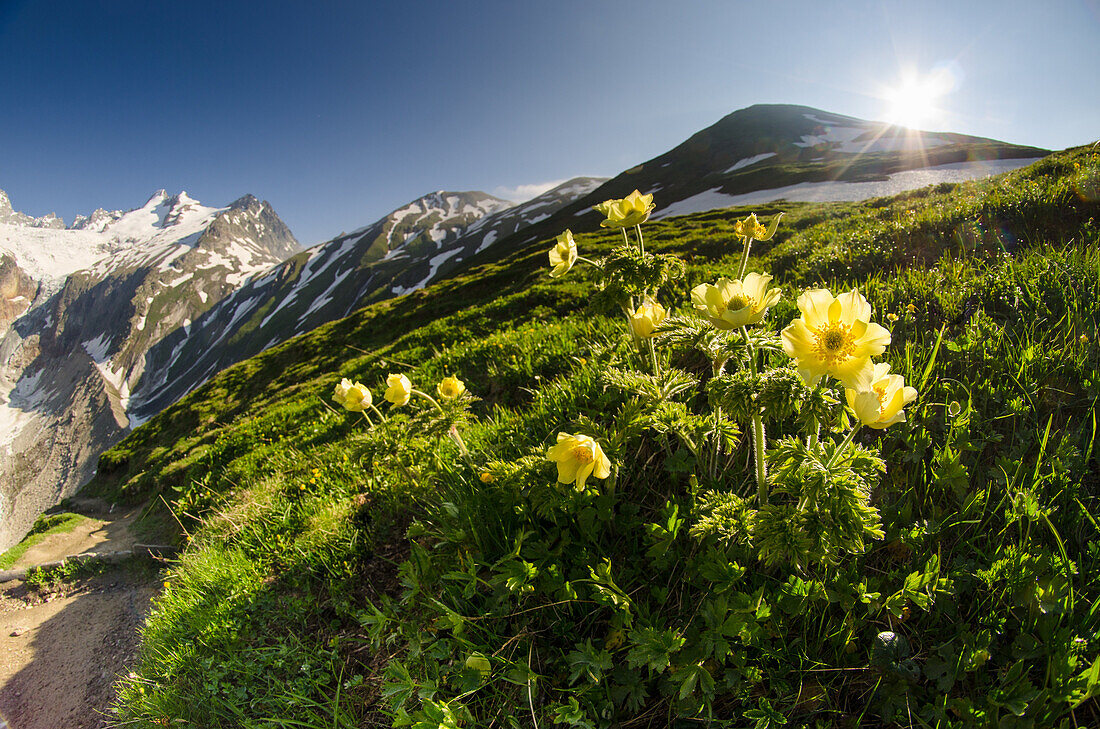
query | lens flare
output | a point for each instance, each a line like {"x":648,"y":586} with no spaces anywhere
{"x":912,"y":102}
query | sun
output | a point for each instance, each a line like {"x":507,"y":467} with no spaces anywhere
{"x":912,"y":102}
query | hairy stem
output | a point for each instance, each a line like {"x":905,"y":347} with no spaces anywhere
{"x":759,"y":440}
{"x":427,"y":397}
{"x":744,"y":259}
{"x":641,"y":243}
{"x":453,"y":432}
{"x":760,"y":445}
{"x":843,"y":445}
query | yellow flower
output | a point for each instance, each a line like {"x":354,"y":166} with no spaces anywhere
{"x":733,"y":303}
{"x":880,"y":405}
{"x":487,"y":477}
{"x":451,"y":387}
{"x":634,"y":209}
{"x":891,"y":317}
{"x":398,"y":389}
{"x":911,"y":309}
{"x":578,"y":457}
{"x":563,"y":255}
{"x":646,"y":318}
{"x":834,"y":337}
{"x":1083,"y":339}
{"x":353,"y":396}
{"x":750,"y":227}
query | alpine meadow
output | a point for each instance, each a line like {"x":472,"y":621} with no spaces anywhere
{"x":806,"y":464}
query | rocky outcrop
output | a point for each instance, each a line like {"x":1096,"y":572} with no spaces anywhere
{"x":17,"y":291}
{"x":13,"y":217}
{"x":72,"y":358}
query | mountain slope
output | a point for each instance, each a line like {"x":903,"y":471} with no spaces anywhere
{"x":86,"y":305}
{"x":298,"y":514}
{"x":405,"y":250}
{"x":769,"y":152}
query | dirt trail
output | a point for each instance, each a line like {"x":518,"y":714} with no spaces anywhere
{"x":106,"y":530}
{"x":61,"y":651}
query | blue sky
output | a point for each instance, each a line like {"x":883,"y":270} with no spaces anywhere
{"x":338,"y":112}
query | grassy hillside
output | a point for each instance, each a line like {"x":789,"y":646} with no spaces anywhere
{"x":342,"y":575}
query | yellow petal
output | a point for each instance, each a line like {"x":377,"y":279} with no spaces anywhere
{"x":755,"y":284}
{"x":854,"y":307}
{"x":893,"y":405}
{"x":567,"y":470}
{"x":874,"y":340}
{"x":772,"y":227}
{"x":603,"y":465}
{"x":882,"y":370}
{"x":583,"y":473}
{"x":867,"y":407}
{"x":699,"y":296}
{"x":855,"y":372}
{"x":814,"y":305}
{"x":797,"y":339}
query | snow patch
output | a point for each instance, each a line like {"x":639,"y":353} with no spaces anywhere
{"x":97,"y":348}
{"x":486,"y":241}
{"x":750,"y":161}
{"x":845,"y":191}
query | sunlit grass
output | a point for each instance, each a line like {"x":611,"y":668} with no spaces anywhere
{"x":285,"y":608}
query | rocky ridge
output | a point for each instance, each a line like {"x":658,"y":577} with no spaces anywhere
{"x":75,"y":349}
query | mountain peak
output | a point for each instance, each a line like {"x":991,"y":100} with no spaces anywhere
{"x":14,"y":217}
{"x":245,"y":202}
{"x":156,"y":198}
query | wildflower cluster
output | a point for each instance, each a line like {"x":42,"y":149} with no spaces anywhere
{"x":557,"y":511}
{"x":833,"y":338}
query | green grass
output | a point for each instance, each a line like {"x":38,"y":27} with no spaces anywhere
{"x":44,"y":526}
{"x":336,"y":576}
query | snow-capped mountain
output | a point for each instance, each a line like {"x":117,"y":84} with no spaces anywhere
{"x":769,"y":152}
{"x":82,"y":306}
{"x":8,"y":216}
{"x":405,"y":250}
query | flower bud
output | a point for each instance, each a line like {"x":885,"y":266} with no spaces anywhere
{"x":646,"y":319}
{"x":398,"y":389}
{"x":451,"y":387}
{"x":563,"y":255}
{"x":353,"y":396}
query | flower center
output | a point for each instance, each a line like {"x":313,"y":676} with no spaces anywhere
{"x":582,"y":454}
{"x":834,"y":343}
{"x":881,"y":392}
{"x":736,"y":303}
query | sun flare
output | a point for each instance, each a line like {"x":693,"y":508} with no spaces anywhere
{"x":912,"y":102}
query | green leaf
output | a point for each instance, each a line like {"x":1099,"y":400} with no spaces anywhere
{"x":653,"y":648}
{"x":588,"y":661}
{"x":694,"y":676}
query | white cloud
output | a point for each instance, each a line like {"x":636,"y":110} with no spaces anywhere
{"x":522,"y":193}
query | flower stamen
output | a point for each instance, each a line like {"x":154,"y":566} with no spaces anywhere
{"x":834,"y":343}
{"x":582,"y":454}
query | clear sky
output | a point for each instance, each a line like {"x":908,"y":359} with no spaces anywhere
{"x":338,"y":112}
